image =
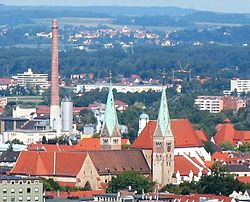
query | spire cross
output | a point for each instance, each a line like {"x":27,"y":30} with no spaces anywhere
{"x":163,"y":74}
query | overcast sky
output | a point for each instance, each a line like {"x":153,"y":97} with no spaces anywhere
{"x":214,"y":5}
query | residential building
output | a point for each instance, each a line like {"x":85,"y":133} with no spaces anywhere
{"x":14,"y":188}
{"x":6,"y":83}
{"x":240,"y":86}
{"x":21,"y":112}
{"x":213,"y":104}
{"x":31,"y":79}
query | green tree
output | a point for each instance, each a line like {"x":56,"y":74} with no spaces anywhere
{"x":87,"y":117}
{"x":50,"y":185}
{"x":219,"y":182}
{"x":227,"y":146}
{"x":134,"y":179}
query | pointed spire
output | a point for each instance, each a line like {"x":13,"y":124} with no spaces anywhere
{"x":163,"y":116}
{"x":110,"y":119}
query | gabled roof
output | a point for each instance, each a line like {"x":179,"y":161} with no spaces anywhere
{"x":49,"y":163}
{"x":225,"y":133}
{"x":184,"y":166}
{"x":184,"y":134}
{"x":201,"y":135}
{"x":117,"y":161}
{"x":145,"y":139}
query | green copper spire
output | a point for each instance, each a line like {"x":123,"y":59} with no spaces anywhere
{"x":110,"y":119}
{"x":163,"y":116}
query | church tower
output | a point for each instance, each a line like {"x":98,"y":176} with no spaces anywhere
{"x":143,"y":120}
{"x":163,"y":146}
{"x":110,"y":137}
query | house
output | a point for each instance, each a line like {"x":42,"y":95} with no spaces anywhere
{"x":227,"y":133}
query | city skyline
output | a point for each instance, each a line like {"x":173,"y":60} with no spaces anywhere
{"x":241,"y":6}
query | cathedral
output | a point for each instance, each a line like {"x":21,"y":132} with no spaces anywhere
{"x":167,"y":151}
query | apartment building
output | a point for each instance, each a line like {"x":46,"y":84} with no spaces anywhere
{"x":213,"y":104}
{"x":31,"y":79}
{"x":240,"y":86}
{"x":14,"y":188}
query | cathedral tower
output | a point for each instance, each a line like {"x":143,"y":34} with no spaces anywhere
{"x":110,"y":137}
{"x":163,"y":146}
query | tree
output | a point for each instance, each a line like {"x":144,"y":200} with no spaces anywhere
{"x":50,"y":185}
{"x":87,"y":117}
{"x":219,"y":182}
{"x":14,"y":141}
{"x":227,"y":146}
{"x":134,"y":179}
{"x":44,"y":140}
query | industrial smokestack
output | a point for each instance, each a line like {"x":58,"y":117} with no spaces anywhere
{"x":54,"y":66}
{"x":55,"y":122}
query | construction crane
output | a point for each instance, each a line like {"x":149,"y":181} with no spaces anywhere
{"x":182,"y":69}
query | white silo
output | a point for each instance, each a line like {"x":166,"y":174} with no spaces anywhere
{"x":67,"y":115}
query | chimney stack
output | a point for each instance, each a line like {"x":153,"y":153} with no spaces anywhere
{"x":54,"y":66}
{"x":55,"y":122}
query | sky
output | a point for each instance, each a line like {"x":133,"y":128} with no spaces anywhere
{"x":239,"y":6}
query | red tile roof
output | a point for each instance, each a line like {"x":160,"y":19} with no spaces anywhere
{"x":93,"y":144}
{"x":42,"y":109}
{"x":67,"y":184}
{"x":7,"y":81}
{"x":145,"y":139}
{"x":49,"y":147}
{"x":185,"y":135}
{"x":65,"y":194}
{"x":201,"y":135}
{"x":49,"y":163}
{"x":227,"y":133}
{"x":184,"y":166}
{"x":244,"y":179}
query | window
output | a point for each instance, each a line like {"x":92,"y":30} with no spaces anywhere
{"x":36,"y":189}
{"x":20,"y":190}
{"x":4,"y":191}
{"x":36,"y":198}
{"x":12,"y":190}
{"x":28,"y":198}
{"x":5,"y":198}
{"x":13,"y":198}
{"x":20,"y":198}
{"x":28,"y":190}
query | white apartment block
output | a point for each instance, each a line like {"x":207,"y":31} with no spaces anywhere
{"x":120,"y":88}
{"x":29,"y":78}
{"x":240,"y":86}
{"x":27,"y":136}
{"x":213,"y":104}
